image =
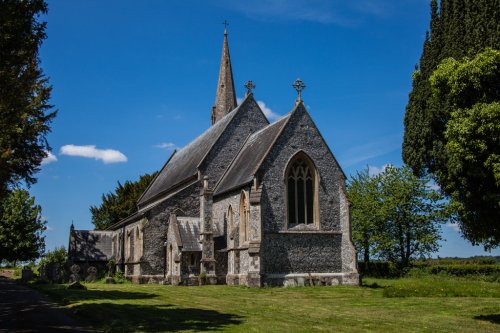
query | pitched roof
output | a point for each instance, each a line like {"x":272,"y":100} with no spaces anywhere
{"x":189,"y":231}
{"x":249,"y":158}
{"x":91,"y":245}
{"x":184,"y":164}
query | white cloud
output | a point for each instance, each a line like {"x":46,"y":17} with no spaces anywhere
{"x":107,"y":156}
{"x":453,"y":226}
{"x":267,"y":111}
{"x":271,"y":116}
{"x":166,"y":145}
{"x":49,"y":158}
{"x":373,"y":170}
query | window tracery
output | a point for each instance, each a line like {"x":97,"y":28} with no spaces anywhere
{"x":301,"y":191}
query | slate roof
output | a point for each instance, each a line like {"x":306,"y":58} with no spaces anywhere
{"x":249,"y":158}
{"x":90,"y":245}
{"x":184,"y":163}
{"x":189,"y":230}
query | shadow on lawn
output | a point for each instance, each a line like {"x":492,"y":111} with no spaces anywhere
{"x":494,"y":318}
{"x":373,"y":285}
{"x":89,"y":295}
{"x":153,"y":318}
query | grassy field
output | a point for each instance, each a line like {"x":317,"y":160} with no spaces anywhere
{"x":376,"y":307}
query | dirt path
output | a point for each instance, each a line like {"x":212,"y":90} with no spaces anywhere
{"x":25,"y":310}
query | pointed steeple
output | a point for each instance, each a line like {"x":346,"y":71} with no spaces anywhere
{"x":225,"y":99}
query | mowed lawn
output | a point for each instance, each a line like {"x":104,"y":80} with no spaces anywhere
{"x":157,"y":308}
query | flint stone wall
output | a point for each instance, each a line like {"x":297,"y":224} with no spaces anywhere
{"x":300,"y":252}
{"x":155,"y":230}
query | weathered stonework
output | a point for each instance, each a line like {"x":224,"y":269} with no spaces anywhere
{"x":218,"y":212}
{"x":248,"y":120}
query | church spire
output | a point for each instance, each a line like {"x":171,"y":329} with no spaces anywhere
{"x":225,"y":99}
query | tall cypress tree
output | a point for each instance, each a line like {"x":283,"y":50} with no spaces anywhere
{"x":25,"y":112}
{"x":458,"y":29}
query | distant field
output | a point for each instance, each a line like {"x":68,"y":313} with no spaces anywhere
{"x":377,"y":307}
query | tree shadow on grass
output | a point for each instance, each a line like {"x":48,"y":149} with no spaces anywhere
{"x":373,"y":285}
{"x":73,"y":296}
{"x":153,"y":318}
{"x":493,"y":318}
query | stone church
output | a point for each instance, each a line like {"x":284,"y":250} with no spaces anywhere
{"x":245,"y":203}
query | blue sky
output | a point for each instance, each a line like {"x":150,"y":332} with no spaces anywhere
{"x":133,"y":80}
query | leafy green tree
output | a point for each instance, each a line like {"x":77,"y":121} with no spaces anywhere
{"x":24,"y":93}
{"x":468,"y":91}
{"x":363,"y":192}
{"x":21,"y":228}
{"x":458,"y":28}
{"x":413,"y":213}
{"x":121,"y":203}
{"x":396,"y":216}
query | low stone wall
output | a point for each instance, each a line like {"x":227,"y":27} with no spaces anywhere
{"x":310,"y":279}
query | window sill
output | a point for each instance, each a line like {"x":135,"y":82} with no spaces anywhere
{"x":305,"y":231}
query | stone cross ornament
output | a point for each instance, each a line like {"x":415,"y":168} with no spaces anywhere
{"x":299,"y":86}
{"x":249,"y":85}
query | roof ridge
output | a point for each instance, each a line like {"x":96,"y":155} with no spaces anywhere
{"x":288,"y":116}
{"x":232,"y":162}
{"x":279,"y":124}
{"x":217,"y":129}
{"x":153,"y":180}
{"x":271,"y":124}
{"x":233,"y":112}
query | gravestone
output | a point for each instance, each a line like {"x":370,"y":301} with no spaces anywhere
{"x":75,"y":269}
{"x":92,"y":274}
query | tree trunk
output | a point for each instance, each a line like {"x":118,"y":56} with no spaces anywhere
{"x":366,"y":248}
{"x":408,"y":243}
{"x":401,"y":242}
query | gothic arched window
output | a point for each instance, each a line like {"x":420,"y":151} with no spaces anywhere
{"x":301,"y":191}
{"x":137,"y":244}
{"x":231,"y":228}
{"x":244,"y":217}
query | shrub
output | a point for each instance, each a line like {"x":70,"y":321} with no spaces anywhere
{"x":465,"y":270}
{"x":53,"y":263}
{"x":381,"y":269}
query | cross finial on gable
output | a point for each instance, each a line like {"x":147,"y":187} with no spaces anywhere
{"x":299,"y":86}
{"x":249,"y":85}
{"x":225,"y":23}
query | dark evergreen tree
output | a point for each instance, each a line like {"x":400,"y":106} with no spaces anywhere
{"x":458,"y":29}
{"x":121,"y":203}
{"x":24,"y":93}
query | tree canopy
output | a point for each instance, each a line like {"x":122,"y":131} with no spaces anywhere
{"x":21,"y":228}
{"x":24,"y":93}
{"x":469,"y":93}
{"x":119,"y":204}
{"x":458,"y":29}
{"x":395,"y":215}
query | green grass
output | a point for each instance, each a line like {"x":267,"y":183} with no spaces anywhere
{"x":157,"y":308}
{"x":435,"y":286}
